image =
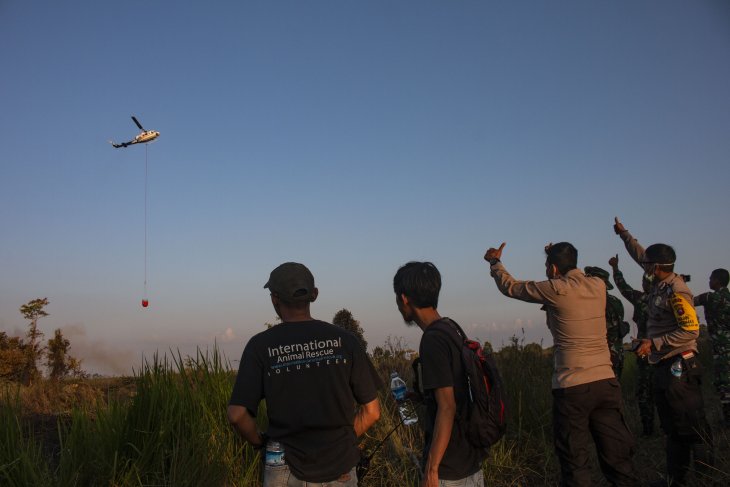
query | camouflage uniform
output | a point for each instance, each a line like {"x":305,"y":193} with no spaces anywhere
{"x":616,"y":327}
{"x":644,"y":395}
{"x":717,"y":315}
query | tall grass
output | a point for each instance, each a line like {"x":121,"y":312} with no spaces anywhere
{"x":524,"y":456}
{"x":22,"y":461}
{"x":172,"y":431}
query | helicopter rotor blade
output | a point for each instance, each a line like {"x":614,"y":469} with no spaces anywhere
{"x":138,"y":124}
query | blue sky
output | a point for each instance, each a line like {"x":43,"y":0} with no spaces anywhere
{"x":352,"y":137}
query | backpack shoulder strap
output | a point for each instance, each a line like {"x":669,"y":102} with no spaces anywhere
{"x":449,"y":327}
{"x":461,"y":331}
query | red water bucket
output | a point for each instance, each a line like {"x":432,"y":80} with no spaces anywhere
{"x":145,"y":303}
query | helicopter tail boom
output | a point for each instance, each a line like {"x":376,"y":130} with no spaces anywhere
{"x":117,"y":146}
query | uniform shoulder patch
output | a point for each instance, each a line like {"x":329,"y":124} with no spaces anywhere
{"x":684,"y":313}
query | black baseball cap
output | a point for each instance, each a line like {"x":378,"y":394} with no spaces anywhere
{"x":292,"y":282}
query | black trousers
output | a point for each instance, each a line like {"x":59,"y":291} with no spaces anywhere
{"x":682,"y":416}
{"x":592,"y":413}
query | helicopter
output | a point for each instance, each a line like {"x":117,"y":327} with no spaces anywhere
{"x":145,"y":136}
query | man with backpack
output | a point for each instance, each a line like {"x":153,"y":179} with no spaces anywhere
{"x":449,"y":458}
{"x":587,"y":404}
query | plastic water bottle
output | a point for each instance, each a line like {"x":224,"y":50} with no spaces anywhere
{"x":398,"y":388}
{"x":274,"y":454}
{"x":677,"y":368}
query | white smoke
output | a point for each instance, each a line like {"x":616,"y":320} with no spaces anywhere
{"x":97,"y":355}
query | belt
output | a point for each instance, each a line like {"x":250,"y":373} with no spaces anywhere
{"x":686,"y":355}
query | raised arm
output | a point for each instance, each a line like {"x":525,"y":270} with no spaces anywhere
{"x":632,"y":296}
{"x":633,"y":247}
{"x":529,"y":291}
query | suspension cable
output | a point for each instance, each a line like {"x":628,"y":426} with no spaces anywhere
{"x":146,"y":148}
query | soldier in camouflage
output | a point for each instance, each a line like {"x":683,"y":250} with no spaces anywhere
{"x":616,"y":327}
{"x":643,"y":383}
{"x":717,"y":315}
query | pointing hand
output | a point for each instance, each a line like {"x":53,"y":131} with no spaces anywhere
{"x":493,"y":253}
{"x":618,"y":227}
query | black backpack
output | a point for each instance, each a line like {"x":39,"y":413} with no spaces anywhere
{"x":486,"y":409}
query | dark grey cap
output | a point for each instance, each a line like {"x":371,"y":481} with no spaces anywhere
{"x":598,"y":272}
{"x":291,"y":282}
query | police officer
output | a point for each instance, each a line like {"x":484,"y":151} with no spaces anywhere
{"x":671,"y":346}
{"x":587,"y":402}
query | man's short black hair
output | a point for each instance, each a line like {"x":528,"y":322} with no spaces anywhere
{"x":563,"y":256}
{"x":420,"y":282}
{"x":722,"y":275}
{"x":662,"y":255}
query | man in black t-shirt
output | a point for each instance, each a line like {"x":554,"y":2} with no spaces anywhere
{"x":448,"y":455}
{"x":312,"y":374}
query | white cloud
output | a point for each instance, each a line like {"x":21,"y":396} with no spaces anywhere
{"x":229,"y":335}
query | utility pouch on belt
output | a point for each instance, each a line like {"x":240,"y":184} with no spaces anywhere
{"x":690,"y":360}
{"x":684,"y":313}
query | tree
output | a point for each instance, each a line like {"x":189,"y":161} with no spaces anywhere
{"x":59,"y":362}
{"x":12,"y":357}
{"x":33,"y":311}
{"x":268,"y":324}
{"x":344,"y":319}
{"x":534,"y":349}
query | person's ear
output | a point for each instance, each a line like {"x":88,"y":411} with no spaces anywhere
{"x":315,"y":293}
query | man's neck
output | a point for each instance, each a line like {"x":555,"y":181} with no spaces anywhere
{"x":426,"y":316}
{"x":295,"y":315}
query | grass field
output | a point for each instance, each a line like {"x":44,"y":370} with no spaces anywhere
{"x":166,"y":426}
